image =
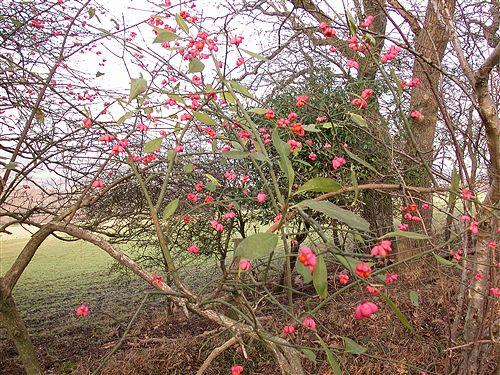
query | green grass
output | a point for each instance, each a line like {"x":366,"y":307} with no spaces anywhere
{"x":61,"y":276}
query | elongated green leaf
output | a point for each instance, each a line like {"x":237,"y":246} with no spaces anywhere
{"x":358,"y":119}
{"x":320,"y":185}
{"x":165,"y":36}
{"x":454,"y":186}
{"x":257,"y":245}
{"x":170,"y":208}
{"x":152,"y":145}
{"x":396,"y":80}
{"x":196,"y":66}
{"x":259,"y":111}
{"x":137,"y":87}
{"x":309,"y":354}
{"x":351,"y":22}
{"x":253,"y":54}
{"x":304,"y":272}
{"x":311,"y":128}
{"x":414,"y":299}
{"x":283,"y":149}
{"x":259,"y":156}
{"x":402,"y":317}
{"x":203,"y":117}
{"x":320,"y":278}
{"x":188,"y":168}
{"x":236,"y":154}
{"x":361,"y":161}
{"x":212,"y":179}
{"x":351,"y":346}
{"x":240,"y":88}
{"x":228,"y":97}
{"x":402,"y":233}
{"x":332,"y":361}
{"x":182,"y":24}
{"x":335,"y":212}
{"x":446,"y":262}
{"x":349,"y":263}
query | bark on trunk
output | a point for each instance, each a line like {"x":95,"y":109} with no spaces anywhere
{"x":18,"y":334}
{"x":430,"y":45}
{"x":378,"y":211}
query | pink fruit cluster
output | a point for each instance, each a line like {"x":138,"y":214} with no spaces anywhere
{"x":381,"y":249}
{"x":307,"y":258}
{"x":365,"y":310}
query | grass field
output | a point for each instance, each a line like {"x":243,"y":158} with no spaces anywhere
{"x":61,"y":276}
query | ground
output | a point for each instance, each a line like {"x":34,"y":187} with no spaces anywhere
{"x":64,"y":275}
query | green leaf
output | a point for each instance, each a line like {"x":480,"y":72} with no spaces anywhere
{"x":349,"y":263}
{"x":170,"y":209}
{"x":39,"y":116}
{"x":414,"y":299}
{"x":203,"y":117}
{"x":309,"y":354}
{"x":454,"y":187}
{"x":335,"y":212}
{"x":16,"y":22}
{"x":351,"y":22}
{"x":182,"y":24}
{"x":257,"y":245}
{"x":402,"y":317}
{"x":259,"y":156}
{"x":253,"y":54}
{"x":240,"y":88}
{"x":370,"y":39}
{"x":351,"y":346}
{"x":304,"y":272}
{"x":396,"y":80}
{"x":165,"y":36}
{"x":259,"y":111}
{"x":91,"y":12}
{"x":319,"y":185}
{"x":10,"y":165}
{"x":362,"y":162}
{"x":283,"y":149}
{"x":228,"y":97}
{"x":320,"y":278}
{"x":137,"y":87}
{"x":196,"y":66}
{"x":212,"y":179}
{"x":358,"y":120}
{"x":211,"y":186}
{"x":188,"y":168}
{"x":311,"y":128}
{"x":332,"y":361}
{"x":401,"y":233}
{"x":152,"y":145}
{"x":235,"y":154}
{"x":446,"y":262}
{"x":327,"y":125}
{"x":124,"y":117}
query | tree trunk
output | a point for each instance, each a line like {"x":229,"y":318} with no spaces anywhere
{"x":17,"y":332}
{"x":378,"y":211}
{"x":430,"y":44}
{"x":378,"y":207}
